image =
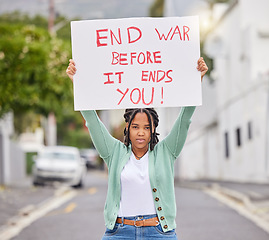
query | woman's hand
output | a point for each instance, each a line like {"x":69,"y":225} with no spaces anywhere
{"x":71,"y":69}
{"x":202,"y":67}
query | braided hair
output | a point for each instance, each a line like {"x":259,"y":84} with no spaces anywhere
{"x":152,"y":118}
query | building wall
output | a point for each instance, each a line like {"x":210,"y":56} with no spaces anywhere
{"x":2,"y":177}
{"x":247,"y":161}
{"x":200,"y":156}
{"x":17,"y":165}
{"x":12,"y":158}
{"x":6,"y":129}
{"x":233,"y":145}
{"x":240,"y":71}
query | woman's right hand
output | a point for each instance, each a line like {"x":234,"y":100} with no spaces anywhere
{"x":71,"y":69}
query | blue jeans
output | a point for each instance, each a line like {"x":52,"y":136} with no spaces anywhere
{"x":121,"y":231}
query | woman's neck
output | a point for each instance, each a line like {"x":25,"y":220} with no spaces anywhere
{"x":139,"y":153}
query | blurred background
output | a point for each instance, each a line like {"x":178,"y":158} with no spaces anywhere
{"x":229,"y":135}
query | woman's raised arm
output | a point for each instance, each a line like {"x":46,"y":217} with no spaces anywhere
{"x":102,"y":139}
{"x":177,"y":137}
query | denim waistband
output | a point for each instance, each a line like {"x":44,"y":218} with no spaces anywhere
{"x":140,"y":217}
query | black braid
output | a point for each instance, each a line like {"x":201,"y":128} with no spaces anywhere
{"x":152,"y":116}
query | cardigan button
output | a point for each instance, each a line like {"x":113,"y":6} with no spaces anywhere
{"x":157,"y":199}
{"x":159,"y":209}
{"x":165,"y":226}
{"x":162,"y":218}
{"x":154,"y":190}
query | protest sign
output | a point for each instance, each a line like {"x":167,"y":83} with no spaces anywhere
{"x":136,"y":62}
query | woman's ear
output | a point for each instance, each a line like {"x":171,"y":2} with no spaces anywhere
{"x":125,"y":129}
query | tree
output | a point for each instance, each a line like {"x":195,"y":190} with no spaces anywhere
{"x":32,"y":75}
{"x":156,"y":9}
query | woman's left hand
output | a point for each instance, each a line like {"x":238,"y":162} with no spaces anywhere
{"x":202,"y":67}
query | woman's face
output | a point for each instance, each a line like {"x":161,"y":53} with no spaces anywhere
{"x":139,"y":132}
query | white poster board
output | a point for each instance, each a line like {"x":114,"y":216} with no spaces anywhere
{"x":136,"y":62}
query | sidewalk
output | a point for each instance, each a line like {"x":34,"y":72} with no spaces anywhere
{"x":253,"y":191}
{"x":22,"y":199}
{"x":253,"y":197}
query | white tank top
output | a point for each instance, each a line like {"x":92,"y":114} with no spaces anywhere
{"x":136,"y":194}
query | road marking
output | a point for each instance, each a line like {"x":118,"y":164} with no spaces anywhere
{"x":240,"y":208}
{"x":2,"y":188}
{"x":254,"y":194}
{"x":21,"y":222}
{"x":92,"y":190}
{"x":70,"y":207}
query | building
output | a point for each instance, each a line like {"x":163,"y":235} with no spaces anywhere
{"x":232,"y":143}
{"x":12,"y":159}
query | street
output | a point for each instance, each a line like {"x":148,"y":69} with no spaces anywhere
{"x":201,"y":64}
{"x":199,"y":217}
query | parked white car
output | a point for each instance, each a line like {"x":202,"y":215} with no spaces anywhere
{"x":90,"y":157}
{"x":59,"y":163}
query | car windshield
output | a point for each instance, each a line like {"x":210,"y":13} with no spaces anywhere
{"x":58,"y":155}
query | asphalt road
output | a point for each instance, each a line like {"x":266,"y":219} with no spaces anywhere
{"x":199,"y":217}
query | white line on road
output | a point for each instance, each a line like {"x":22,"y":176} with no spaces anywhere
{"x":255,"y":194}
{"x":240,"y":208}
{"x":22,"y":222}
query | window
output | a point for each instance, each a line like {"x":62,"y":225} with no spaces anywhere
{"x":249,"y":130}
{"x":226,"y":141}
{"x":238,"y":137}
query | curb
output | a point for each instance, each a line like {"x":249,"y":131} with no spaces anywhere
{"x":234,"y":202}
{"x":259,"y":209}
{"x":237,"y":196}
{"x":192,"y":185}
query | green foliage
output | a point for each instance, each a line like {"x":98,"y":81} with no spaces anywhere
{"x":29,"y":162}
{"x":156,"y":9}
{"x":217,"y":1}
{"x":32,"y":70}
{"x":77,"y":137}
{"x":28,"y":121}
{"x":24,"y":19}
{"x":33,"y":81}
{"x":39,"y":21}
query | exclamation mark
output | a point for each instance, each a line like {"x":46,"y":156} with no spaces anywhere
{"x":162,"y":95}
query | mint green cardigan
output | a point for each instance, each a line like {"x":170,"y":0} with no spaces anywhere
{"x":161,"y":166}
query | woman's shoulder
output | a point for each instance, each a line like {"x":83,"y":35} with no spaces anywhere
{"x":159,"y":146}
{"x":121,"y":147}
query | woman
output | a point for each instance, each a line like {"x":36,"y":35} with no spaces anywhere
{"x":140,"y":200}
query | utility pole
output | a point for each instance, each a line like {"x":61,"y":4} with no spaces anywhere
{"x":51,"y":128}
{"x":51,"y":16}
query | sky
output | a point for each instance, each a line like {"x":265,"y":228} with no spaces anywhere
{"x":183,"y":7}
{"x":85,"y":9}
{"x":94,"y":9}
